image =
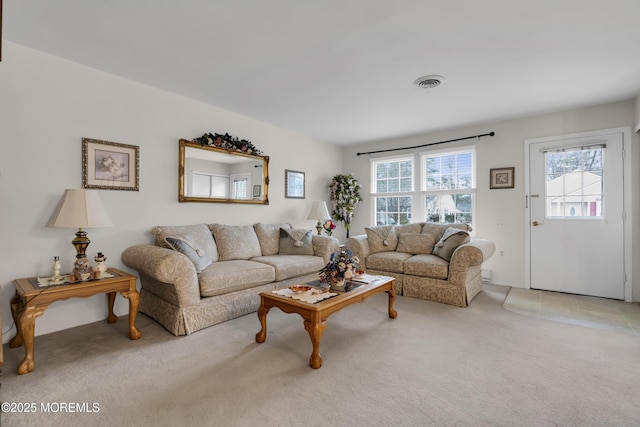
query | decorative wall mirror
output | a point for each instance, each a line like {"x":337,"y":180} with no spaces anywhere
{"x":221,"y":175}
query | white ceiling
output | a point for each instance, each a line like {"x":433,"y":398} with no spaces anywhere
{"x":342,"y":71}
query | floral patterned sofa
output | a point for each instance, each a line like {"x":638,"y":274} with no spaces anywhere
{"x":435,"y":262}
{"x":198,"y":275}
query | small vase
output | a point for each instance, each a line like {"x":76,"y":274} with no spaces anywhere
{"x":339,"y":283}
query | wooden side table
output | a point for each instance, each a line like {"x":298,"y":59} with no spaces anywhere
{"x":31,"y":301}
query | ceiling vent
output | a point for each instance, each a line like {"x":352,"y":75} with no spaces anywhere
{"x":429,"y":82}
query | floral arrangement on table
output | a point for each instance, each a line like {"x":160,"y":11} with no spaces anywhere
{"x":341,"y":265}
{"x":228,"y":141}
{"x":328,"y":226}
{"x":345,"y":195}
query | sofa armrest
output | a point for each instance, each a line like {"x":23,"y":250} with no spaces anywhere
{"x":324,"y":246}
{"x":166,"y":266}
{"x":470,"y":254}
{"x":359,"y":246}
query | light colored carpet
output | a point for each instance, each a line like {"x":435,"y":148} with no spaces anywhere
{"x":591,"y":312}
{"x":434,"y":365}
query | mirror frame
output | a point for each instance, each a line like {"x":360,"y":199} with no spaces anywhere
{"x":182,"y":198}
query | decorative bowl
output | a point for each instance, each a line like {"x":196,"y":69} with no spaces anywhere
{"x":299,"y":289}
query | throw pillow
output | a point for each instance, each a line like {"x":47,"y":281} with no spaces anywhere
{"x":382,"y":239}
{"x":269,"y":237}
{"x":437,"y":230}
{"x":415,"y":244}
{"x":295,"y":242}
{"x":451,"y":239}
{"x":236,"y":241}
{"x":197,"y":235}
{"x":197,"y":256}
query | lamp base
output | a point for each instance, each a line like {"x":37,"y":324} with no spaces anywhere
{"x":319,"y":228}
{"x":81,"y":242}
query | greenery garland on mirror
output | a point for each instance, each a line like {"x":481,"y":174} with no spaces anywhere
{"x":228,"y":141}
{"x":345,"y":195}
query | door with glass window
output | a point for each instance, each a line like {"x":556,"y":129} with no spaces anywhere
{"x":576,"y":215}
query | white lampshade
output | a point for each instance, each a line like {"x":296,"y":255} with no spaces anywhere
{"x":80,"y":209}
{"x":319,"y":211}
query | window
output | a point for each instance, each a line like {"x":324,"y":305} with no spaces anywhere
{"x":240,"y":187}
{"x":392,"y":188}
{"x":448,"y":182}
{"x":208,"y":185}
{"x":574,"y":182}
{"x":447,"y":188}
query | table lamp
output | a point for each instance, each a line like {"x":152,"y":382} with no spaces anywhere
{"x":319,"y":212}
{"x":80,"y":209}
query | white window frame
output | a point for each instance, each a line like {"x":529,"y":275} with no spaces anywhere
{"x":423,"y":193}
{"x":240,"y":177}
{"x":373,"y":181}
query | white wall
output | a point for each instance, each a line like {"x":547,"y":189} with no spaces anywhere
{"x":47,"y":105}
{"x":500,"y":213}
{"x":637,"y":122}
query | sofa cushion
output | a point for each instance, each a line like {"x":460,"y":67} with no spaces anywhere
{"x":236,"y":241}
{"x":198,"y":236}
{"x":412,"y":228}
{"x":451,"y":239}
{"x":230,"y":276}
{"x":198,"y":257}
{"x":288,"y":266}
{"x":437,"y":230}
{"x":382,"y":238}
{"x":295,"y":242}
{"x":387,"y":261}
{"x":415,"y":243}
{"x":427,"y":266}
{"x":269,"y":237}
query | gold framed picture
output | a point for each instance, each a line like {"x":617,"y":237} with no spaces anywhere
{"x":110,"y":165}
{"x":501,"y":178}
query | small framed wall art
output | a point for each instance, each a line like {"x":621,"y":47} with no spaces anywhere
{"x":110,"y":165}
{"x":293,"y":184}
{"x":501,"y":178}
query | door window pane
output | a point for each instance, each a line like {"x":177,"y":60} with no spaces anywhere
{"x":574,"y":183}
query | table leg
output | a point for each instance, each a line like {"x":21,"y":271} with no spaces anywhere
{"x":27,"y":328}
{"x":134,"y":300}
{"x":262,"y":317}
{"x":315,"y":328}
{"x":111,"y":298}
{"x":392,"y":297}
{"x":17,"y":305}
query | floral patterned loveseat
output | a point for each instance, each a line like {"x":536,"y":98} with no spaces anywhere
{"x":198,"y":275}
{"x":435,"y":262}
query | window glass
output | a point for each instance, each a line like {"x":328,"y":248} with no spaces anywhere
{"x":449,"y":181}
{"x":574,"y":183}
{"x":391,"y":179}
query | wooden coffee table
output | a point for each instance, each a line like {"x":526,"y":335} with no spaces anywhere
{"x":315,"y":315}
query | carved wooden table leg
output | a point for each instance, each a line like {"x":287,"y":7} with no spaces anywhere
{"x":134,"y":300}
{"x":315,"y":328}
{"x":111,"y":298}
{"x":392,"y":297}
{"x":27,"y":328}
{"x":17,"y":306}
{"x":262,"y":316}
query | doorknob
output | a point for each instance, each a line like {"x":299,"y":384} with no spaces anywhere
{"x":535,"y":223}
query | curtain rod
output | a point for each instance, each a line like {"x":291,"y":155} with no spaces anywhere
{"x":426,"y":145}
